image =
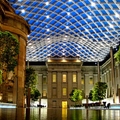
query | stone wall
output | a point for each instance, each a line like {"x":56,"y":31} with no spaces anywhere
{"x":15,"y":24}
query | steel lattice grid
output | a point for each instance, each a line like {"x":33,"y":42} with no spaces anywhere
{"x":70,"y":28}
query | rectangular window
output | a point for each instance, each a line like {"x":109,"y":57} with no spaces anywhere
{"x":44,"y":93}
{"x":82,"y":81}
{"x":64,"y":91}
{"x":74,"y":77}
{"x":91,"y":81}
{"x":54,"y":77}
{"x":64,"y":77}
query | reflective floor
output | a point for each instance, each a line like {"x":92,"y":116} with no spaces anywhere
{"x":58,"y":114}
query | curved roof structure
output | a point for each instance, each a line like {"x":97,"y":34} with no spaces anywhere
{"x":71,"y":28}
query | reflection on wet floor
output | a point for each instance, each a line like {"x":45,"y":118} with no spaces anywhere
{"x":57,"y":114}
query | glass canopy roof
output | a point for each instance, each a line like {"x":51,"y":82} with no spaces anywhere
{"x":70,"y":28}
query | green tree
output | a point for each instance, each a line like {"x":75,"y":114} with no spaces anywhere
{"x":98,"y":92}
{"x":35,"y":94}
{"x":76,"y":95}
{"x":31,"y":78}
{"x":90,"y":95}
{"x":30,"y":82}
{"x":117,"y":56}
{"x":9,"y":49}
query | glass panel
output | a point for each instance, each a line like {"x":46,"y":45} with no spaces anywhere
{"x":91,"y":81}
{"x":44,"y":93}
{"x":82,"y":81}
{"x":54,"y":77}
{"x":74,"y":77}
{"x":64,"y":77}
{"x":64,"y":105}
{"x":64,"y":91}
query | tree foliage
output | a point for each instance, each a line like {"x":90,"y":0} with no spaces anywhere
{"x":76,"y":95}
{"x":98,"y":92}
{"x":35,"y":94}
{"x":31,"y":78}
{"x":90,"y":95}
{"x":30,"y":82}
{"x":117,"y":56}
{"x":9,"y":49}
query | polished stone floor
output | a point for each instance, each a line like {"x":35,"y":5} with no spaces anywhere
{"x":58,"y":114}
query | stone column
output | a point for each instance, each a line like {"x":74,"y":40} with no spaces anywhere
{"x":15,"y":24}
{"x":49,"y":88}
{"x":28,"y":64}
{"x":59,"y":89}
{"x":59,"y":84}
{"x":98,"y":71}
{"x":40,"y":86}
{"x":69,"y":86}
{"x":70,"y":82}
{"x":49,"y":84}
{"x":113,"y":75}
{"x":79,"y":79}
{"x":87,"y":84}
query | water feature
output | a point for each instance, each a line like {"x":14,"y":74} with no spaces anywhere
{"x":58,"y":114}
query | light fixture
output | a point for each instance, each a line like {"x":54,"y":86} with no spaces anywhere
{"x":117,"y":15}
{"x":67,"y":27}
{"x":49,"y":46}
{"x":65,"y":39}
{"x":68,"y":13}
{"x":30,"y":44}
{"x":106,"y":36}
{"x":47,"y":3}
{"x":47,"y":16}
{"x":63,"y":53}
{"x":48,"y":55}
{"x":19,"y":0}
{"x":89,"y":17}
{"x":23,"y":11}
{"x":92,"y":4}
{"x":86,"y":30}
{"x":48,"y":30}
{"x":32,"y":47}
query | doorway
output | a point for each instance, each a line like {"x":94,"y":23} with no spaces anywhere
{"x":64,"y":104}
